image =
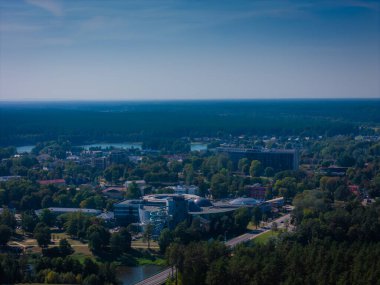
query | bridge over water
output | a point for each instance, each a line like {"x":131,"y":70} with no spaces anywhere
{"x":161,"y":277}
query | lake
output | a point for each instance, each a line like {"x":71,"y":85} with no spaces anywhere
{"x":131,"y":275}
{"x":198,"y":146}
{"x":126,"y":145}
{"x":25,"y":148}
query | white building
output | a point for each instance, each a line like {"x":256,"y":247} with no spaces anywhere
{"x":185,"y":189}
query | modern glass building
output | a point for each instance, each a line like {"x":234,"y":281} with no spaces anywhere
{"x":278,"y":159}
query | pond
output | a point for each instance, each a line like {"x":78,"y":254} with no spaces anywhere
{"x":131,"y":275}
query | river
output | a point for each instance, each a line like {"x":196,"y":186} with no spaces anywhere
{"x":131,"y":275}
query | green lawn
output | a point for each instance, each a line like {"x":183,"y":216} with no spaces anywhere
{"x":80,"y":256}
{"x":264,"y":238}
{"x":251,"y":226}
{"x":142,"y":244}
{"x":156,"y":261}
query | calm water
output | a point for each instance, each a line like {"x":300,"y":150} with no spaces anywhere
{"x":25,"y":148}
{"x":131,"y":275}
{"x":126,"y":145}
{"x":198,"y":146}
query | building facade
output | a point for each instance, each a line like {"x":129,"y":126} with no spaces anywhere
{"x":278,"y":159}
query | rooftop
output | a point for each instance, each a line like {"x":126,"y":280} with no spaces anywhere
{"x":254,"y":150}
{"x":244,"y":201}
{"x":53,"y":181}
{"x":213,"y":210}
{"x":71,"y":210}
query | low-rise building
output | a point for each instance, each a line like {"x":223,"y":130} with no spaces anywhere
{"x":256,"y":191}
{"x":185,"y":189}
{"x":7,"y":178}
{"x":333,"y":170}
{"x":59,"y":211}
{"x":354,"y":189}
{"x":52,"y":181}
{"x":107,"y":217}
{"x":114,"y":192}
{"x":118,"y":156}
{"x":99,"y":162}
{"x":127,"y":212}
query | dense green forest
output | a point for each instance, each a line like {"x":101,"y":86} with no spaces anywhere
{"x":331,"y":245}
{"x":131,"y":121}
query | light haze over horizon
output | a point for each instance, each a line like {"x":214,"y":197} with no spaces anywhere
{"x":177,"y":49}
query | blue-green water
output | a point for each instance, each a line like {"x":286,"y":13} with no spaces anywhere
{"x":198,"y":146}
{"x":132,"y":275}
{"x":25,"y":148}
{"x":126,"y":145}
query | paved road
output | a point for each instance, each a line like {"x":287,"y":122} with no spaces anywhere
{"x":255,"y":233}
{"x":160,"y":278}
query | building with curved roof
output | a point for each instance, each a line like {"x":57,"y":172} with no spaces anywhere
{"x":245,"y":202}
{"x":202,"y":202}
{"x":193,"y":207}
{"x":162,"y":198}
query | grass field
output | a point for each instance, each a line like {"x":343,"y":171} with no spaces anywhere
{"x":142,"y":244}
{"x":252,"y":227}
{"x":156,"y":261}
{"x":264,"y":238}
{"x":81,"y":250}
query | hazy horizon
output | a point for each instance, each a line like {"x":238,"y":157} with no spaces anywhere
{"x":148,"y":100}
{"x":167,"y":50}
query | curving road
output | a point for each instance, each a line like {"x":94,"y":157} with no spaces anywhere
{"x":160,"y":278}
{"x":255,"y":233}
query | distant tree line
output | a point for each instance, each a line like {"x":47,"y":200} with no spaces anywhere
{"x":146,"y":122}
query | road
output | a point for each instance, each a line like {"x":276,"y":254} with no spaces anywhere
{"x":160,"y":278}
{"x":255,"y":233}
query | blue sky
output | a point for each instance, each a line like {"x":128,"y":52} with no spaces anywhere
{"x":166,"y":49}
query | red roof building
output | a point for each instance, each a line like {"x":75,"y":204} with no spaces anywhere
{"x":256,"y":191}
{"x":354,"y":189}
{"x":114,"y":192}
{"x":53,"y":181}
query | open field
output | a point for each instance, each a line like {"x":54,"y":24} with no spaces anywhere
{"x":141,"y":244}
{"x":265,"y":237}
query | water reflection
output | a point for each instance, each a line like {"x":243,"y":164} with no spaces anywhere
{"x":131,"y":275}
